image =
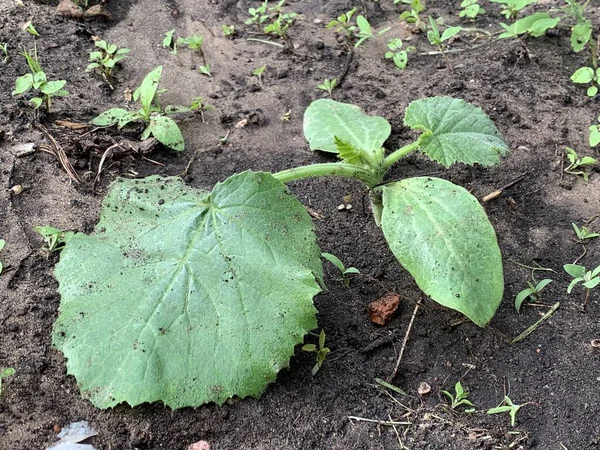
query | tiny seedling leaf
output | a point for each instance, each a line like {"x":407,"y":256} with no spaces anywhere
{"x":575,"y":270}
{"x":583,"y":75}
{"x":187,"y":297}
{"x":23,"y":84}
{"x":440,"y":233}
{"x":455,"y":131}
{"x":334,"y":260}
{"x":118,"y":116}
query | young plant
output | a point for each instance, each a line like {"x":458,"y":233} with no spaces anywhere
{"x":228,"y":30}
{"x":2,"y":244}
{"x":535,"y":25}
{"x":587,"y":75}
{"x":106,"y":59}
{"x":258,"y":15}
{"x":30,"y":28}
{"x":199,"y":106}
{"x":577,"y":165}
{"x":594,"y":138}
{"x":7,"y":372}
{"x":189,"y":297}
{"x":437,"y":39}
{"x":157,"y":121}
{"x":581,"y":32}
{"x":396,"y":54}
{"x":589,"y":279}
{"x":258,"y":73}
{"x":4,"y":50}
{"x":511,"y":8}
{"x":344,"y":25}
{"x":533,"y":292}
{"x":280,"y":24}
{"x":509,"y":407}
{"x":328,"y":85}
{"x":460,"y":398}
{"x":413,"y":14}
{"x":170,"y":42}
{"x":341,"y":267}
{"x":53,"y":237}
{"x":37,"y":80}
{"x":365,"y":31}
{"x":194,"y":42}
{"x":471,"y":9}
{"x":584,"y":233}
{"x":321,"y":352}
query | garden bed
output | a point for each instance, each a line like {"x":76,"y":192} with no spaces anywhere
{"x":522,"y":84}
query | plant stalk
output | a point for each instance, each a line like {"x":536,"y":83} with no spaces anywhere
{"x":396,"y":156}
{"x":327,"y":169}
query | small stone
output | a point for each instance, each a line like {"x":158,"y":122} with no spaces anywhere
{"x":424,"y":388}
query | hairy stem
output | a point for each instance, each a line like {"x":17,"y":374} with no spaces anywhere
{"x":327,"y":169}
{"x":396,"y":156}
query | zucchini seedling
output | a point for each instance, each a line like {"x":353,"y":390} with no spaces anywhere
{"x":189,"y":297}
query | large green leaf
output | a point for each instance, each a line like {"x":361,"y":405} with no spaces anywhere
{"x":455,"y":131}
{"x":324,"y":120}
{"x":187,"y":297}
{"x":442,"y":236}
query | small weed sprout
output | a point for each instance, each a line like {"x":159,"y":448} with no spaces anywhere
{"x":286,"y":116}
{"x":170,"y":42}
{"x":258,"y":73}
{"x":4,"y":50}
{"x":30,"y":28}
{"x":106,"y":59}
{"x":594,"y":138}
{"x":509,"y":407}
{"x":460,"y":398}
{"x":588,"y":278}
{"x":198,"y":105}
{"x":7,"y":372}
{"x":587,"y":75}
{"x":228,"y":30}
{"x":195,"y":42}
{"x":396,"y":54}
{"x":534,"y":292}
{"x":258,"y":15}
{"x":53,"y":237}
{"x":341,"y":267}
{"x":412,"y":15}
{"x":328,"y":85}
{"x":535,"y":25}
{"x":578,"y":165}
{"x":365,"y":31}
{"x":343,"y":25}
{"x":437,"y":39}
{"x":321,"y":352}
{"x":511,"y":8}
{"x":2,"y":244}
{"x":471,"y":9}
{"x":280,"y":24}
{"x":38,"y":81}
{"x":583,"y":233}
{"x":156,"y":119}
{"x":581,"y":33}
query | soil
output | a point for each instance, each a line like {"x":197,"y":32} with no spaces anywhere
{"x":524,"y":87}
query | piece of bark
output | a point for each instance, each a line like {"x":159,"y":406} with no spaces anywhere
{"x":381,"y":310}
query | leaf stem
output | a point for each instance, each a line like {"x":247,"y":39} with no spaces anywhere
{"x":327,"y":169}
{"x":396,"y":156}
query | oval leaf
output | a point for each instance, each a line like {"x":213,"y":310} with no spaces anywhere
{"x":455,"y":131}
{"x":187,"y":297}
{"x":325,"y":119}
{"x":442,"y":236}
{"x":147,"y":90}
{"x":167,"y":132}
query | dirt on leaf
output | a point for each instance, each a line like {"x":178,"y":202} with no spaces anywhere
{"x":522,"y":84}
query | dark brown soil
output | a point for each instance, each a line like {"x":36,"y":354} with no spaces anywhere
{"x":523,"y":85}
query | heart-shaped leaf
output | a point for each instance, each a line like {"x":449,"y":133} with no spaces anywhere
{"x":325,"y":119}
{"x":187,"y":297}
{"x":442,"y":236}
{"x":455,"y":131}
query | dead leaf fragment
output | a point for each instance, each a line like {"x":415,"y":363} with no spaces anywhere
{"x":381,"y":310}
{"x":200,"y":445}
{"x":424,"y":388}
{"x":71,"y":125}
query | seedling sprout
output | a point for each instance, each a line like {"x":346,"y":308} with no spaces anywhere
{"x":321,"y":352}
{"x":509,"y":407}
{"x":459,"y":398}
{"x":341,"y":267}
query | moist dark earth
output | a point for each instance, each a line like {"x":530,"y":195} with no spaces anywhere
{"x":523,"y":85}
